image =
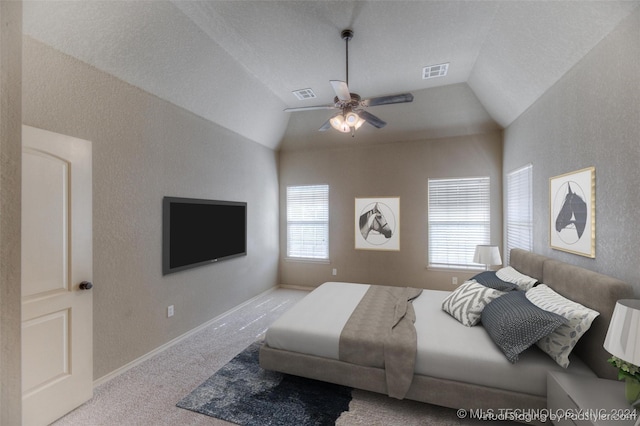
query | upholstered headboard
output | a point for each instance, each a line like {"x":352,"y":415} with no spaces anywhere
{"x":594,"y":290}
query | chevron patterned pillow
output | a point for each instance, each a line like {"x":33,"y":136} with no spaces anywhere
{"x":467,"y":302}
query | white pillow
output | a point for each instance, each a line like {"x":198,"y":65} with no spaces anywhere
{"x":467,"y":302}
{"x":559,"y":344}
{"x":510,"y":275}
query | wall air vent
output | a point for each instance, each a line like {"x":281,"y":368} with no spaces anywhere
{"x":303,"y":94}
{"x":433,"y":71}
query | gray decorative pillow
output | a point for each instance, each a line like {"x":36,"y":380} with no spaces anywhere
{"x":514,"y":323}
{"x":467,"y":302}
{"x":559,"y":344}
{"x":489,"y":279}
{"x":511,"y":275}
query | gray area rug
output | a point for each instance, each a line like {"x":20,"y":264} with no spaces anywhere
{"x":243,"y":393}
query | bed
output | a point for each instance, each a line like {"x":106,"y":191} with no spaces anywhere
{"x":455,"y":366}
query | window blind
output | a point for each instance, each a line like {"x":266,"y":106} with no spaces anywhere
{"x":458,"y":220}
{"x":308,"y":221}
{"x":520,"y":209}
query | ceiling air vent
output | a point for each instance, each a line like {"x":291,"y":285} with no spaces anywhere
{"x":303,"y":94}
{"x":433,"y":71}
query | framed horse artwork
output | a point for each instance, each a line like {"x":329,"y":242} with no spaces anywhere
{"x":377,"y":223}
{"x":572,"y":221}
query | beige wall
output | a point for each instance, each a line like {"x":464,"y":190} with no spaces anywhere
{"x":398,"y":169}
{"x":10,"y":194}
{"x":591,"y":117}
{"x":143,"y":149}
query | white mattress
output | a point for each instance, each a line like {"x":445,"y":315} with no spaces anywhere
{"x":446,"y":348}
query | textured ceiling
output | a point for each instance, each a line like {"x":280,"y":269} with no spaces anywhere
{"x":237,"y":62}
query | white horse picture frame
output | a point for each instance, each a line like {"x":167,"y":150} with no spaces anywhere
{"x":377,"y":223}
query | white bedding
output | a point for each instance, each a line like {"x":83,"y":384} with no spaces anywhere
{"x":313,"y":325}
{"x":449,"y":350}
{"x":446,"y":348}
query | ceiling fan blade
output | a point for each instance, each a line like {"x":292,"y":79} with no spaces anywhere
{"x":310,"y":108}
{"x":372,"y":119}
{"x":325,"y":126}
{"x":341,"y":89}
{"x":386,"y":100}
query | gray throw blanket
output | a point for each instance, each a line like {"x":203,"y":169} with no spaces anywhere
{"x":380,"y":333}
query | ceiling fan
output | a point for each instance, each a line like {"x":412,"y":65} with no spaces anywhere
{"x":352,"y":113}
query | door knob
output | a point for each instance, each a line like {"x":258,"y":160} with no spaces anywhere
{"x":85,"y":285}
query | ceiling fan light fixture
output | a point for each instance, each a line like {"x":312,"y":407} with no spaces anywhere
{"x":351,"y":118}
{"x":338,"y":122}
{"x":346,"y":122}
{"x":345,"y":129}
{"x":354,"y":120}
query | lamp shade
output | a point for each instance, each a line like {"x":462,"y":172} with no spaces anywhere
{"x":623,"y":336}
{"x":487,"y":255}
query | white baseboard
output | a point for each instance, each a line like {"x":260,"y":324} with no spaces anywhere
{"x":156,"y":351}
{"x":296,"y":287}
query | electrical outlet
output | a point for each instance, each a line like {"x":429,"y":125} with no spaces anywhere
{"x":169,"y":311}
{"x":334,"y":272}
{"x":454,"y":280}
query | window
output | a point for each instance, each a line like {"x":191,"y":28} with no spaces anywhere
{"x":519,"y":210}
{"x":308,"y":222}
{"x":459,"y":219}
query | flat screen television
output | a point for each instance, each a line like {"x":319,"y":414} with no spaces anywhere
{"x":199,"y":232}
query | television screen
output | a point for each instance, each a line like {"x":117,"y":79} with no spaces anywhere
{"x":198,"y":232}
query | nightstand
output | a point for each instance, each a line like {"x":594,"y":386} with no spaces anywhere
{"x":578,"y":400}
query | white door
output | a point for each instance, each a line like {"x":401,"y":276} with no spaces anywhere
{"x":57,"y":330}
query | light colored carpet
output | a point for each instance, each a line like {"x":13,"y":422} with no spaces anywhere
{"x":147,"y":394}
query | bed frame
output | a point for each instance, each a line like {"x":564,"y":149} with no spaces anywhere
{"x":594,"y":290}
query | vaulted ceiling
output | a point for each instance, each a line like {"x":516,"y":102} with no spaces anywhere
{"x":236,"y":63}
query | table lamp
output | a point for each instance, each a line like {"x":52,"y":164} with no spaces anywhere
{"x":623,"y":342}
{"x":487,"y":255}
